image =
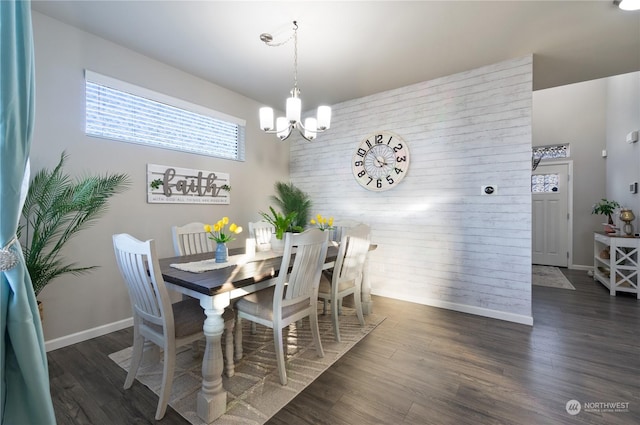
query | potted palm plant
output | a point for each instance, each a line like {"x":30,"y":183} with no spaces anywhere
{"x":606,"y":207}
{"x":56,"y":208}
{"x":290,"y":198}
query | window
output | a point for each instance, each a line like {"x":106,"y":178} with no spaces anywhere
{"x":538,"y":153}
{"x":544,"y":183}
{"x":551,"y":151}
{"x":128,"y":113}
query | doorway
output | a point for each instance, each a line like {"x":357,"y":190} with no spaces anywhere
{"x":552,"y":196}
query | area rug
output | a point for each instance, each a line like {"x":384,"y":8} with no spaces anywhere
{"x":551,"y":277}
{"x":254,"y":393}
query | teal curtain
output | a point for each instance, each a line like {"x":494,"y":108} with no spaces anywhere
{"x":24,"y":392}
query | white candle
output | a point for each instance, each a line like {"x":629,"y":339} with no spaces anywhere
{"x":250,"y":248}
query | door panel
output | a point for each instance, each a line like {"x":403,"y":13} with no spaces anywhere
{"x":550,"y":222}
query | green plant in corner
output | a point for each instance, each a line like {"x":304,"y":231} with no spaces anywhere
{"x":282,"y":223}
{"x":605,"y":207}
{"x":55,"y":209}
{"x":290,"y":198}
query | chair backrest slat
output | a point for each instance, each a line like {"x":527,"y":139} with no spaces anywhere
{"x":261,"y":231}
{"x":303,"y":280}
{"x":340,"y":228}
{"x":191,"y":239}
{"x":354,"y":257}
{"x":352,"y":254}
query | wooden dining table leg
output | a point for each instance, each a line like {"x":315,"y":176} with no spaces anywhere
{"x":212,"y":398}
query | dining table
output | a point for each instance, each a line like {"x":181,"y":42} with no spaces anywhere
{"x":215,"y":289}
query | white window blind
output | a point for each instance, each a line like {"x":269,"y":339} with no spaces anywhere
{"x":121,"y":111}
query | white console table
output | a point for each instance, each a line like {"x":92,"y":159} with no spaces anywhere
{"x":616,"y":262}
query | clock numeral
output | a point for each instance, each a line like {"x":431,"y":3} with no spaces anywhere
{"x":398,"y":147}
{"x":369,"y":143}
{"x":379,"y":183}
{"x":361,"y":173}
{"x":358,"y":163}
{"x":389,"y":180}
{"x":361,"y":152}
{"x":370,"y":180}
{"x":398,"y":170}
{"x":378,"y":138}
{"x":401,"y":158}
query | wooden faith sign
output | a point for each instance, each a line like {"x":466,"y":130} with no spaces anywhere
{"x":175,"y":185}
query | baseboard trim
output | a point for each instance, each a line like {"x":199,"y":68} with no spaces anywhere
{"x":67,"y":340}
{"x":581,"y":267}
{"x":462,"y":308}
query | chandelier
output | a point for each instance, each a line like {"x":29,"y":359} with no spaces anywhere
{"x":285,"y":125}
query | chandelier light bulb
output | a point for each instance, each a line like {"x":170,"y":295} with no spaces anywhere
{"x":310,"y":128}
{"x":282,"y":128}
{"x":324,"y":117}
{"x":294,"y":109}
{"x":629,"y":4}
{"x":266,"y":118}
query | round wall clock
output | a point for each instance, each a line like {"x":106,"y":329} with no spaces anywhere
{"x":381,"y":161}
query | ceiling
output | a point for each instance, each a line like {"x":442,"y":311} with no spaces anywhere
{"x":350,"y":49}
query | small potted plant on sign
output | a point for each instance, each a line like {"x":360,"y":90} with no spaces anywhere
{"x":606,"y":207}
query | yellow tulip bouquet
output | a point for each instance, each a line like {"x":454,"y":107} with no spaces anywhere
{"x":217,"y":231}
{"x":323,"y":222}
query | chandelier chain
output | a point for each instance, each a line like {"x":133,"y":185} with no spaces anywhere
{"x":268,"y":40}
{"x":295,"y":57}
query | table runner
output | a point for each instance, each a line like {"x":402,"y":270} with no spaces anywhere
{"x":233,"y":260}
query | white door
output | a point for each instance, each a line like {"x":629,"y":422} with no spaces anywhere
{"x":550,"y":199}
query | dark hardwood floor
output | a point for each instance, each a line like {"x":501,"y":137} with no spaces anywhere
{"x":423,"y":365}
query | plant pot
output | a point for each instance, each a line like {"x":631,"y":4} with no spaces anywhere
{"x":277,"y":245}
{"x":222,"y":253}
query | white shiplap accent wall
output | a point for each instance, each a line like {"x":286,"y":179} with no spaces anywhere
{"x":441,"y":242}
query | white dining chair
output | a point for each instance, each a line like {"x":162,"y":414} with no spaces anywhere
{"x":339,"y":227}
{"x":346,"y":277}
{"x":294,"y":295}
{"x":261,"y":231}
{"x":155,"y":319}
{"x":191,"y":239}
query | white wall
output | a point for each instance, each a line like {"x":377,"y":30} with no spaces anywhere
{"x":78,"y":303}
{"x":577,"y":114}
{"x":592,"y":116}
{"x":440,"y":241}
{"x":623,"y":161}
